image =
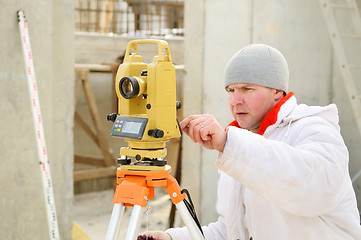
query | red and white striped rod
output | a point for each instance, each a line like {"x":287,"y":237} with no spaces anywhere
{"x":39,"y":132}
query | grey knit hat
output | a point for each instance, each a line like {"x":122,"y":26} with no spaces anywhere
{"x":258,"y":64}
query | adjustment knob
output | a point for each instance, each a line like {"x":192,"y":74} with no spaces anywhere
{"x":157,"y":133}
{"x":112,"y":117}
{"x":178,"y":104}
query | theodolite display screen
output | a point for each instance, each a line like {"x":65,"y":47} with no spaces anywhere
{"x":129,"y":127}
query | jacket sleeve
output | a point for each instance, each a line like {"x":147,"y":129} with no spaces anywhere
{"x":305,"y":176}
{"x":214,"y":231}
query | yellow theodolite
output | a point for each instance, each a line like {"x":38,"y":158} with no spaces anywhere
{"x":146,"y":119}
{"x":147,"y":107}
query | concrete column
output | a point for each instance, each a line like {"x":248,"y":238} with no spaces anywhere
{"x":192,"y":92}
{"x":22,"y":203}
{"x":228,"y":28}
{"x":214,"y":32}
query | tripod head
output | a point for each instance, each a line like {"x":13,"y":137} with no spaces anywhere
{"x":147,"y":107}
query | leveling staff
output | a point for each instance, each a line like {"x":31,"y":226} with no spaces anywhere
{"x":284,"y":166}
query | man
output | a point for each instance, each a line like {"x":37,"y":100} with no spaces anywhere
{"x":284,"y":166}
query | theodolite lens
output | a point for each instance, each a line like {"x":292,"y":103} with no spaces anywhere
{"x":129,"y":87}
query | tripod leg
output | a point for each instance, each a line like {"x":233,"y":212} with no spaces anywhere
{"x":113,"y":228}
{"x":189,"y":221}
{"x":134,"y":223}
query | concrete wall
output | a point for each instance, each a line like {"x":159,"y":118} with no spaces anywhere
{"x":22,"y":203}
{"x":296,"y":28}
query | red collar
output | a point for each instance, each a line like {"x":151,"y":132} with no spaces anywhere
{"x":271,"y":116}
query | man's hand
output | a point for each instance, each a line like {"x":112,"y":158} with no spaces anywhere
{"x":154,"y":235}
{"x":205,"y":129}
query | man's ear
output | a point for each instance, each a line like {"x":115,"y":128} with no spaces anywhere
{"x":279,"y":95}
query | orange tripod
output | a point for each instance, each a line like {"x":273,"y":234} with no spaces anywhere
{"x":135,"y":188}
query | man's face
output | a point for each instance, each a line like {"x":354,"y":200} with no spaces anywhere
{"x":249,"y":103}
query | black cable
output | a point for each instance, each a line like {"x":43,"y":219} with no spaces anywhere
{"x":191,"y":209}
